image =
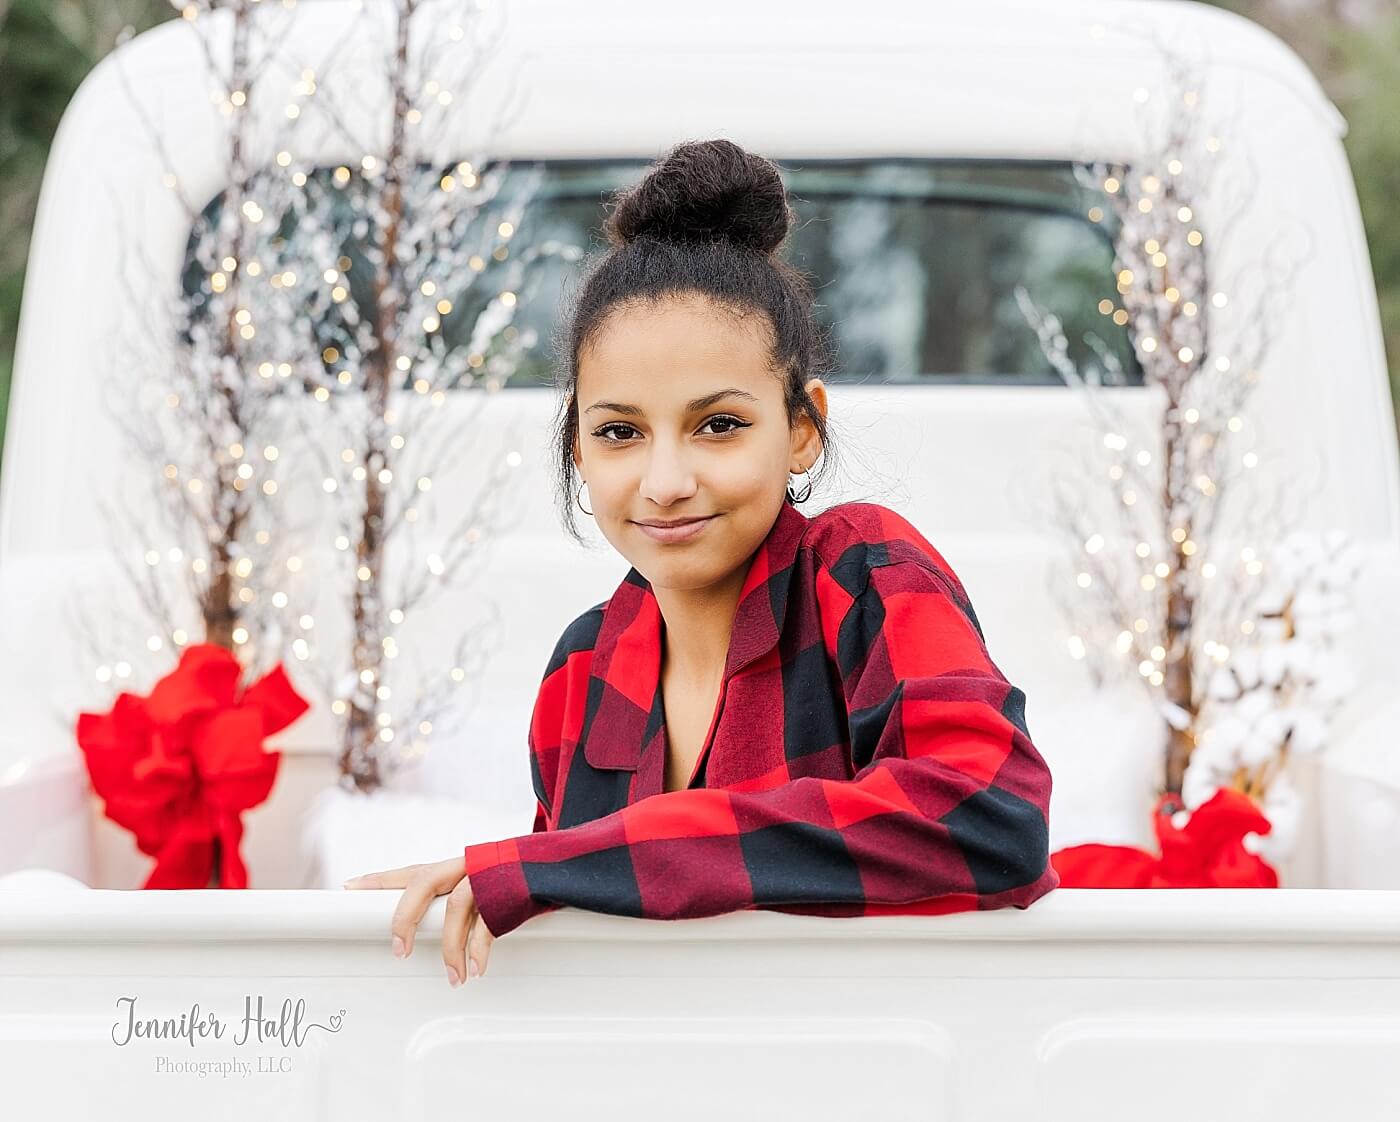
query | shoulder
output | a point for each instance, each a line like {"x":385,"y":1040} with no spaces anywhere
{"x":852,"y":542}
{"x":578,"y":638}
{"x":851,"y":539}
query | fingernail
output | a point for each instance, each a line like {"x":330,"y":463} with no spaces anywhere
{"x":471,"y":967}
{"x":349,"y":882}
{"x":398,"y":946}
{"x":452,"y":977}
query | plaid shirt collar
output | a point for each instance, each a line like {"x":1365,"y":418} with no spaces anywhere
{"x":629,"y":708}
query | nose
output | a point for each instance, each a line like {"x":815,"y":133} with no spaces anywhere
{"x":667,"y":476}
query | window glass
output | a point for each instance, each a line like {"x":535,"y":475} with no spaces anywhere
{"x":916,"y":263}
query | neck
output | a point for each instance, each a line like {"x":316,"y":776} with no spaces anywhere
{"x":697,"y":626}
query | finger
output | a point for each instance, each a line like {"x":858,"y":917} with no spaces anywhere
{"x":387,"y":878}
{"x":461,"y":906}
{"x":479,"y":940}
{"x":419,"y":893}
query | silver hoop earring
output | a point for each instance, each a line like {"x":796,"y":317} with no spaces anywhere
{"x":579,"y":499}
{"x":806,"y":493}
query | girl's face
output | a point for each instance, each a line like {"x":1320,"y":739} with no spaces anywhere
{"x":680,"y":418}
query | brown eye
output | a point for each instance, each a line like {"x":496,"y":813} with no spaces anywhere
{"x":726,"y":420}
{"x":602,"y":432}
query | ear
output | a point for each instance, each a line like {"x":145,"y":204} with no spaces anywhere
{"x":806,"y":442}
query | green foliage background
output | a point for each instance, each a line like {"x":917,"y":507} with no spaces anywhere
{"x":48,"y":46}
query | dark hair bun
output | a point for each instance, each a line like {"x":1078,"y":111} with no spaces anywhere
{"x":705,"y":191}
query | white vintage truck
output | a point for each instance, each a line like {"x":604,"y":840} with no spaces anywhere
{"x":931,"y":148}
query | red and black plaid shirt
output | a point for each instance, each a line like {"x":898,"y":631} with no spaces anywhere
{"x":866,"y":756}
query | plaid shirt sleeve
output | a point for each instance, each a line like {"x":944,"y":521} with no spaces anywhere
{"x":947,"y":810}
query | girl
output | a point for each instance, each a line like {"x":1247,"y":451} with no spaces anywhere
{"x":771,"y":711}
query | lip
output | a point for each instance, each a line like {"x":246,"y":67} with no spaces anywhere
{"x":684,"y":532}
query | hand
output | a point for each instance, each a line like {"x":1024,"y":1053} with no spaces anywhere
{"x":465,"y":935}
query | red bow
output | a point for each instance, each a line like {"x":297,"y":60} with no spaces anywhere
{"x":1208,"y":852}
{"x":179,"y":767}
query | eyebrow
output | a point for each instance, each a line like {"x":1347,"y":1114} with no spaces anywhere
{"x":691,"y":407}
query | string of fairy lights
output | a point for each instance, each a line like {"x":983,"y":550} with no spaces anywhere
{"x":1173,"y":233}
{"x":1267,"y":687}
{"x":269,"y":293}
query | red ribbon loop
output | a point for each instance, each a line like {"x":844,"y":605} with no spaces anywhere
{"x":178,"y":767}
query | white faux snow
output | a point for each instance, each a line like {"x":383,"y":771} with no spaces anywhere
{"x":33,"y":882}
{"x":345,"y":833}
